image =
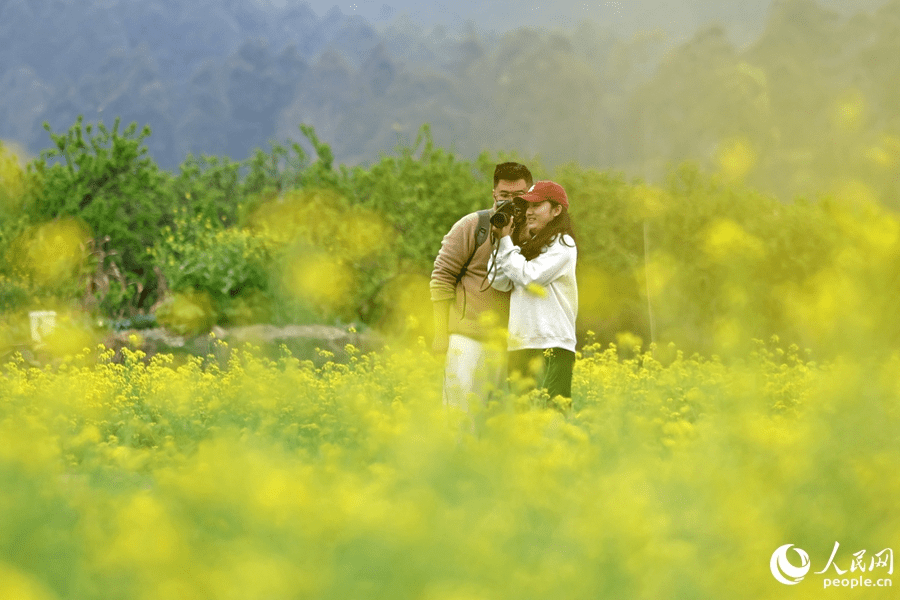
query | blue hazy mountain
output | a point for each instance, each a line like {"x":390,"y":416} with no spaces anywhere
{"x":743,"y":19}
{"x":224,"y":77}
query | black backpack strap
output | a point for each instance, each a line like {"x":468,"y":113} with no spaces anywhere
{"x":484,"y":227}
{"x":481,"y":235}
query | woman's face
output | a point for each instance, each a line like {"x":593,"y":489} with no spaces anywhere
{"x":539,"y":214}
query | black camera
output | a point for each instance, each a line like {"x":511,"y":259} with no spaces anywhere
{"x":510,"y":209}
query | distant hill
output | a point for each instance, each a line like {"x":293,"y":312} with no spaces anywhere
{"x":208,"y":75}
{"x":224,"y":77}
{"x":811,"y":102}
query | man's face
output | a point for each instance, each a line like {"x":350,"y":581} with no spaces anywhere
{"x":507,"y":190}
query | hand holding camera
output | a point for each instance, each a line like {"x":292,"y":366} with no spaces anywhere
{"x":509,"y":215}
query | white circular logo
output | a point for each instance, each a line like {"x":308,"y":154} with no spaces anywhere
{"x":783,"y":570}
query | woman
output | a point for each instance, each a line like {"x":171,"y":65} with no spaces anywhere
{"x":544,"y":301}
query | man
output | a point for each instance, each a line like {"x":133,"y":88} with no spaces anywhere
{"x":468,"y":312}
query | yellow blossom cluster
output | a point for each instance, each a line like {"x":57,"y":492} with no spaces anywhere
{"x":241,"y":476}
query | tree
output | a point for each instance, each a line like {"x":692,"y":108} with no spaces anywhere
{"x":105,"y":178}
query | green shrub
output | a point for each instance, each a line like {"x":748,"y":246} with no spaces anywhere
{"x":700,"y":260}
{"x":420,"y":193}
{"x":209,"y":189}
{"x":224,"y":264}
{"x":104,"y":178}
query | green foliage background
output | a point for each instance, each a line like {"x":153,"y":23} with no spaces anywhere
{"x":701,"y":260}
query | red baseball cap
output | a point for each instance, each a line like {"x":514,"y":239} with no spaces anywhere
{"x":546,"y":190}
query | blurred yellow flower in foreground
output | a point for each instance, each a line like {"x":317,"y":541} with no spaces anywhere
{"x":260,"y":475}
{"x":187,"y":312}
{"x":849,"y":110}
{"x":17,"y":585}
{"x":725,"y":238}
{"x":318,"y":278}
{"x":71,"y":335}
{"x":855,"y":193}
{"x":53,"y":253}
{"x":736,"y":159}
{"x":648,"y":201}
{"x":536,"y":289}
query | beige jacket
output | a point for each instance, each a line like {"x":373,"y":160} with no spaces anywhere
{"x":477,"y":305}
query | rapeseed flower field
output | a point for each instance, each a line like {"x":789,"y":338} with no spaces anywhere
{"x":239,"y":475}
{"x":721,"y":460}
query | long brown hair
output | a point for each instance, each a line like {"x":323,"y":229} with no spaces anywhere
{"x":560,"y":225}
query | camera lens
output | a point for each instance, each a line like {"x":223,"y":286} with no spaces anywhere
{"x":499,"y":219}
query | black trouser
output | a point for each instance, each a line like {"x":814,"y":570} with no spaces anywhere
{"x":551,"y":368}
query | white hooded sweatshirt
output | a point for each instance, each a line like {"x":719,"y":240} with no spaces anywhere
{"x":544,"y":300}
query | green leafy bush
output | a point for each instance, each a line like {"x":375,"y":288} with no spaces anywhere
{"x":104,"y":178}
{"x":208,"y":188}
{"x":700,"y":260}
{"x":227,"y":265}
{"x":326,"y":254}
{"x":421,"y":193}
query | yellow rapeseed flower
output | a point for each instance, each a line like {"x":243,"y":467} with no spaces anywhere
{"x":535,"y":289}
